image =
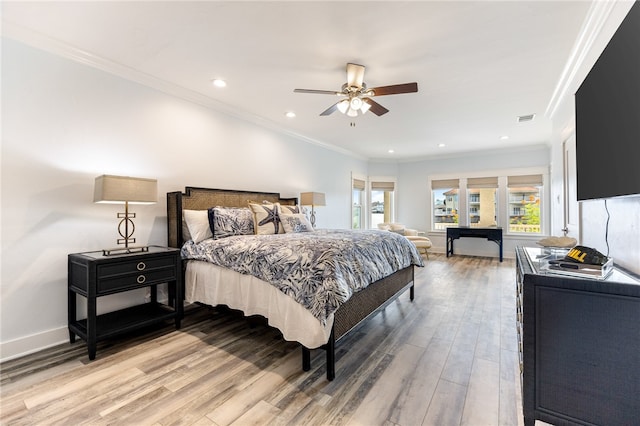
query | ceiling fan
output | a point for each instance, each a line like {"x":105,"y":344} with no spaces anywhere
{"x":357,"y":97}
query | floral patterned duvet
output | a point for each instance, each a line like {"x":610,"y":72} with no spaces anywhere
{"x":319,"y":269}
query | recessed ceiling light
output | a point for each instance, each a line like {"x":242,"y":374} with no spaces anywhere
{"x":219,"y":83}
{"x":391,"y":151}
{"x":441,"y":145}
{"x":504,"y":138}
{"x":290,"y":114}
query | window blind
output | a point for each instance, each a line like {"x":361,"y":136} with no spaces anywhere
{"x":382,"y":186}
{"x":359,"y":184}
{"x":445,"y":183}
{"x":524,"y":180}
{"x":483,"y":182}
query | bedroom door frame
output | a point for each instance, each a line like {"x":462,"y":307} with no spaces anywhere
{"x":572,"y":208}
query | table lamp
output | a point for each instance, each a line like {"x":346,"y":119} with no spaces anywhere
{"x":312,"y":199}
{"x":125,"y":190}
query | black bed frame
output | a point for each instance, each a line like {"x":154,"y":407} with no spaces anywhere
{"x":357,"y":309}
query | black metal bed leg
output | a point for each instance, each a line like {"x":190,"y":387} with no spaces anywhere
{"x":331,"y":357}
{"x":411,"y":294}
{"x":306,"y":359}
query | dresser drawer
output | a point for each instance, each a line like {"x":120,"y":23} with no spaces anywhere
{"x":135,"y":266}
{"x":136,"y":279}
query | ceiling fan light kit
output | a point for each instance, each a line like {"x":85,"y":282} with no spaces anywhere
{"x":358,"y":97}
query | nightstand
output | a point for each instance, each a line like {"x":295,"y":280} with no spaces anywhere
{"x":93,"y":275}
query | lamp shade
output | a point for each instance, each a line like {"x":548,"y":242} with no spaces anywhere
{"x":121,"y":189}
{"x":312,"y":199}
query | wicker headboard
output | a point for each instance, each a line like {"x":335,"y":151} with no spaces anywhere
{"x":204,"y":198}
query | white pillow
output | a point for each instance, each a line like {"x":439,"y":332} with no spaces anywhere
{"x":295,"y":222}
{"x":198,"y":224}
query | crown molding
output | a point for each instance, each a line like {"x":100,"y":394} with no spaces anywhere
{"x":597,"y":17}
{"x":43,"y":42}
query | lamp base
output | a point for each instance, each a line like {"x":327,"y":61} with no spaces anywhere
{"x":124,"y":250}
{"x":312,"y":218}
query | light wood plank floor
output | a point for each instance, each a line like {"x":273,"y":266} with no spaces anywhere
{"x":448,"y":358}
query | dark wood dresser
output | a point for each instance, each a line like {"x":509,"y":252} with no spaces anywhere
{"x":579,"y":341}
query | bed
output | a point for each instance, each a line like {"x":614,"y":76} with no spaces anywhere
{"x":317,"y":324}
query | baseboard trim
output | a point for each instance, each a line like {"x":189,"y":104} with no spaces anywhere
{"x":36,"y":342}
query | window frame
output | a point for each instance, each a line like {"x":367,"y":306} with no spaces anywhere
{"x":523,"y":181}
{"x":373,"y":180}
{"x":364,"y":211}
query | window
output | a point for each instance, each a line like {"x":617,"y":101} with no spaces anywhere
{"x":382,"y":202}
{"x":445,"y":203}
{"x":515,"y":202}
{"x":524,"y":194}
{"x":482,"y":203}
{"x":357,"y":196}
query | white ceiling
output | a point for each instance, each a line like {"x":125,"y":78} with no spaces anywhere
{"x":478,"y":64}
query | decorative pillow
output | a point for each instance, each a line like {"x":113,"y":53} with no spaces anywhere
{"x":198,"y":225}
{"x":265,"y":218}
{"x":226,"y":222}
{"x":295,"y":222}
{"x":286,"y":209}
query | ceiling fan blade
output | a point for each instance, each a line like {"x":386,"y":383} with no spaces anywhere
{"x":376,"y":108}
{"x":394,"y":89}
{"x":330,"y":110}
{"x":318,"y":92}
{"x":355,"y":75}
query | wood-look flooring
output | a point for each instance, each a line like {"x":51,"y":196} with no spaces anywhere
{"x":447,"y":358}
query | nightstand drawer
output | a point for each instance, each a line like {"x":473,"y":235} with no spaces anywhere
{"x":137,"y":279}
{"x":135,"y":266}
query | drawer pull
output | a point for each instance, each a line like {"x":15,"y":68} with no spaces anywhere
{"x":141,"y":266}
{"x":141,"y":279}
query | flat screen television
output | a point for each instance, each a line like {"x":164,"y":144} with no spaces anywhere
{"x":608,"y":118}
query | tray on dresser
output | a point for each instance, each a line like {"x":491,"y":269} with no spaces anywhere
{"x":551,"y":260}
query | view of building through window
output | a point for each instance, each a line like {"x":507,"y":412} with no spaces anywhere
{"x":445,"y":208}
{"x":482,"y":207}
{"x":522,"y":205}
{"x":524,"y":209}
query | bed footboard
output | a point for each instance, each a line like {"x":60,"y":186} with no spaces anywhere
{"x":358,"y":308}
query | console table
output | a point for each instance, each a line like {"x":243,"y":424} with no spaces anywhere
{"x":579,"y":343}
{"x":491,"y":234}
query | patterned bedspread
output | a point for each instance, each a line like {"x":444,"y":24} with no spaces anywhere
{"x":319,"y":269}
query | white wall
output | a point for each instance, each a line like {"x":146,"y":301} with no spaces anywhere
{"x":624,"y":229}
{"x":64,"y":123}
